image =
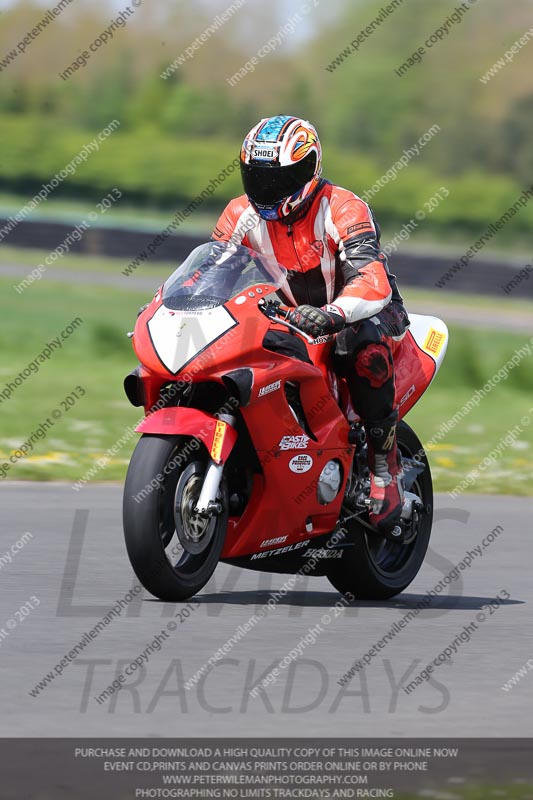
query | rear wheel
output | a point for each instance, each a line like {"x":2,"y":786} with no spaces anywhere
{"x":173,"y":550}
{"x":374,"y":568}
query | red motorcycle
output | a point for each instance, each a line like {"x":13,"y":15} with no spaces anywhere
{"x":256,"y":458}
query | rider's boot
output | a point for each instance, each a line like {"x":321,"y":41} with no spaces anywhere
{"x":386,"y":474}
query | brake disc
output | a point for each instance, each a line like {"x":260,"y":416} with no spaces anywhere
{"x":194,"y":531}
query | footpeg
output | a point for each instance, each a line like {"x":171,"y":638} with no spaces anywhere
{"x":356,"y":436}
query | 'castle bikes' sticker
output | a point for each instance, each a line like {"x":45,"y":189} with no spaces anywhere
{"x":294,"y":442}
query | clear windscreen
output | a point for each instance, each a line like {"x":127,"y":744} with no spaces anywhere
{"x":217,"y":271}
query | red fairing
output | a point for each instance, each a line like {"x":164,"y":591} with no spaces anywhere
{"x":284,"y":500}
{"x":189,"y":422}
{"x":286,"y":455}
{"x":150,"y":365}
{"x":414,"y":370}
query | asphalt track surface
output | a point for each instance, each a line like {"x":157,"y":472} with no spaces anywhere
{"x":76,"y":566}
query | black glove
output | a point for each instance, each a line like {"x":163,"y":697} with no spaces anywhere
{"x":142,"y":308}
{"x":317,"y":321}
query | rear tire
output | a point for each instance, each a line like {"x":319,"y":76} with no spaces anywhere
{"x":374,"y":568}
{"x":172,"y":554}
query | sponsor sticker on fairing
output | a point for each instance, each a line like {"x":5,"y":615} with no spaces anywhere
{"x":434,"y":342}
{"x":300,"y":464}
{"x":294,"y":442}
{"x":407,"y":395}
{"x":272,"y":387}
{"x":271,"y":542}
{"x":282,"y":550}
{"x":322,"y":552}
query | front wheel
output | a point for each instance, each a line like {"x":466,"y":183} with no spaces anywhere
{"x":373,"y":568}
{"x":173,"y":550}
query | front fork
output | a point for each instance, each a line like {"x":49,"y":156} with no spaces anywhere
{"x":207,"y":504}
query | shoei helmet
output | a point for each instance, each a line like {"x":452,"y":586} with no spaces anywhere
{"x":281,"y":165}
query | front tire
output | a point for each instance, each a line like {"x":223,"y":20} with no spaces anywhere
{"x":373,"y":568}
{"x":173,"y":551}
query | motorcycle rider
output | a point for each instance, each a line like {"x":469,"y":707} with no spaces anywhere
{"x":338,"y":280}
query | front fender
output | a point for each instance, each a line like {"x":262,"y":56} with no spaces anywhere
{"x":218,"y":437}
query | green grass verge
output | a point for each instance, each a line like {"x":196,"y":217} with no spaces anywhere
{"x":498,"y":304}
{"x":98,"y":355}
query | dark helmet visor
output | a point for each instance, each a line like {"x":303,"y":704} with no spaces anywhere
{"x":268,"y":184}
